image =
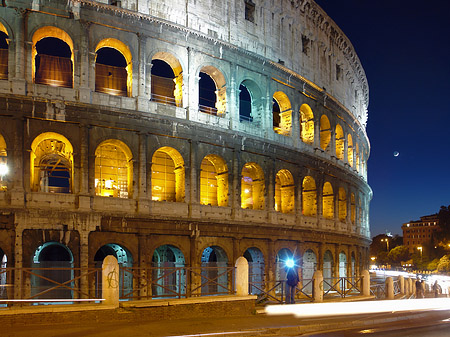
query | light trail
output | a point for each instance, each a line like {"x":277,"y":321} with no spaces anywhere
{"x":360,"y":307}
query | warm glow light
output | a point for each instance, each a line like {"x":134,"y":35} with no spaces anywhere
{"x":96,"y":182}
{"x":3,"y":169}
{"x":247,"y":190}
{"x":108,"y":183}
{"x":289,"y":263}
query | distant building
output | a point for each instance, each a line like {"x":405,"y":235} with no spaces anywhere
{"x":418,"y":233}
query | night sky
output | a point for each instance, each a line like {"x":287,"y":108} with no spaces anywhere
{"x":404,"y":48}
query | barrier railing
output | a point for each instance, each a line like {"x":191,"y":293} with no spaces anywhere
{"x":342,"y":286}
{"x":378,"y":290}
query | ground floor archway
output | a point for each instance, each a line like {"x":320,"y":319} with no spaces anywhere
{"x":309,"y":266}
{"x":168,"y":273}
{"x":214,"y":271}
{"x":256,"y":270}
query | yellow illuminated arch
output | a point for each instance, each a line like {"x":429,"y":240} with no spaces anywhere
{"x":49,"y":31}
{"x":221,"y":90}
{"x":342,"y":204}
{"x":309,"y":197}
{"x":178,"y":72}
{"x":168,"y":175}
{"x":49,"y":145}
{"x":340,"y":140}
{"x":352,"y":208}
{"x":213,"y":181}
{"x":328,"y":201}
{"x":306,"y":124}
{"x":3,"y":29}
{"x":252,"y":186}
{"x":358,"y":159}
{"x":284,"y":192}
{"x":284,"y":103}
{"x":325,"y":132}
{"x":3,"y":164}
{"x":113,"y":169}
{"x":350,"y":149}
{"x":4,"y":56}
{"x":125,"y":51}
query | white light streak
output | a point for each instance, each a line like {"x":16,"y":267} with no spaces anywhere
{"x":361,"y":307}
{"x":219,"y":333}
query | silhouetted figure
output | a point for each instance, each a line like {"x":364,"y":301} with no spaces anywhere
{"x":292,"y":280}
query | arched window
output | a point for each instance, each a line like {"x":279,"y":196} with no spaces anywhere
{"x":325,"y":133}
{"x":169,"y":278}
{"x":309,"y":266}
{"x":284,"y":192}
{"x":3,"y":164}
{"x":212,"y":91}
{"x":214,"y":263}
{"x":252,"y":187}
{"x":282,"y":113}
{"x":309,"y":197}
{"x":113,"y":68}
{"x":342,"y":264}
{"x":350,"y":150}
{"x":167,"y":79}
{"x":113,"y":169}
{"x":51,"y":163}
{"x":213,"y":181}
{"x":327,"y":270}
{"x":256,"y":270}
{"x":52,"y":57}
{"x":168,"y":175}
{"x":245,"y":104}
{"x":328,"y":201}
{"x":340,"y":140}
{"x":342,"y":204}
{"x":307,"y":124}
{"x":3,"y":53}
{"x":352,"y":208}
{"x":357,"y":158}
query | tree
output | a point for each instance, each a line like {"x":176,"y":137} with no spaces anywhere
{"x":444,"y":224}
{"x":444,"y":264}
{"x":398,"y":254}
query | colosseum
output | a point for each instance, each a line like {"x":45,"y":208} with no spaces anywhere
{"x":178,"y":136}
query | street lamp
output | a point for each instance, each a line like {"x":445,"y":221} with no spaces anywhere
{"x":420,"y":248}
{"x":387,"y":243}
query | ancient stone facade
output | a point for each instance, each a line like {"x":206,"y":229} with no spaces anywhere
{"x":114,"y":142}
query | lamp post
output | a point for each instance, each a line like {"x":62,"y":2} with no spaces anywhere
{"x":420,"y":248}
{"x":387,"y":243}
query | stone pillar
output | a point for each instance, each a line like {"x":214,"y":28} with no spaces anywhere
{"x":241,"y":276}
{"x":142,"y":175}
{"x":401,"y":281}
{"x":365,"y":283}
{"x":110,"y":281}
{"x":19,"y":84}
{"x":18,"y":256}
{"x":142,"y":94}
{"x":233,"y":101}
{"x":389,"y":290}
{"x":235,"y":186}
{"x":270,"y":195}
{"x":317,"y":293}
{"x":84,"y":262}
{"x":193,"y":287}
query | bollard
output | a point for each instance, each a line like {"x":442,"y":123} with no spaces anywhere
{"x":317,"y":292}
{"x":401,"y":281}
{"x":407,"y":289}
{"x":389,"y":288}
{"x":365,"y":283}
{"x":110,"y":281}
{"x":241,"y":276}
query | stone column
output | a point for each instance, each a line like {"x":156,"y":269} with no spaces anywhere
{"x":19,"y":84}
{"x":241,"y":276}
{"x":193,"y":288}
{"x":317,"y":286}
{"x":365,"y":283}
{"x":110,"y":281}
{"x":233,"y":101}
{"x":144,"y":205}
{"x":389,"y":288}
{"x":142,"y":94}
{"x":84,"y":262}
{"x":234,"y":192}
{"x":401,"y":281}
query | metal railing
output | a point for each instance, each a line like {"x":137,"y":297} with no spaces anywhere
{"x":342,"y":286}
{"x":163,"y":99}
{"x":378,"y":290}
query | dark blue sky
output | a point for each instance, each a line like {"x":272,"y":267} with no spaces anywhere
{"x":404,"y":47}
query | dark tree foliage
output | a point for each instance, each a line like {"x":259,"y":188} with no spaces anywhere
{"x":444,"y":224}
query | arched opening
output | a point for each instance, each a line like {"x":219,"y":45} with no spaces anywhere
{"x":340,"y":140}
{"x":245,"y":104}
{"x":307,"y":124}
{"x":212,"y":91}
{"x":309,"y":197}
{"x":51,"y":163}
{"x":252,"y":187}
{"x":283,"y":255}
{"x":125,"y":260}
{"x":256,"y":266}
{"x":4,"y":169}
{"x":284,"y":192}
{"x":282,"y":113}
{"x":113,"y":169}
{"x":357,"y":158}
{"x":325,"y":133}
{"x":328,"y":201}
{"x":52,"y":57}
{"x":213,"y":181}
{"x":308,"y":269}
{"x":352,"y":208}
{"x":327,"y":270}
{"x":3,"y":276}
{"x":350,"y":150}
{"x":111,"y":72}
{"x":342,"y":202}
{"x":52,"y":265}
{"x":207,"y":94}
{"x":168,"y":175}
{"x":214,"y":271}
{"x":3,"y":53}
{"x":353,"y":266}
{"x":342,"y":264}
{"x":169,"y":277}
{"x":167,"y":79}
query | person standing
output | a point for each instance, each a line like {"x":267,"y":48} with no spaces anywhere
{"x":292,"y":280}
{"x":418,"y":288}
